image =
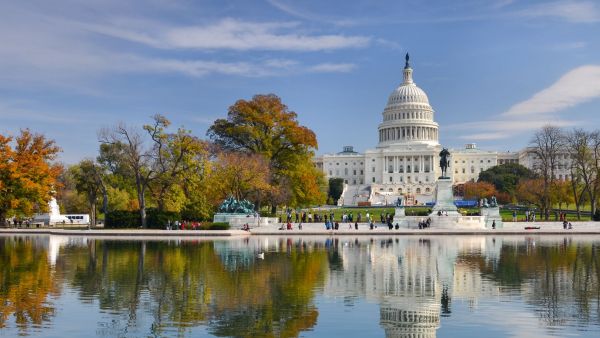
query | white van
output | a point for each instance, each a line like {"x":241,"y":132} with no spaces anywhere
{"x":78,"y":218}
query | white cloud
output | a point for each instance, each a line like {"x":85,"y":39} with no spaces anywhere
{"x":332,"y":68}
{"x":504,"y":128}
{"x":580,"y":85}
{"x":232,"y":34}
{"x":572,"y":11}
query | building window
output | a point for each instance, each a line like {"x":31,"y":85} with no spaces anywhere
{"x":361,"y":172}
{"x":463,"y":170}
{"x":390,"y":179}
{"x":427,"y":190}
{"x":418,"y":190}
{"x":373,"y":169}
{"x":354,"y":172}
{"x":346,"y":181}
{"x":330,"y":173}
{"x":373,"y":179}
{"x":345,"y":171}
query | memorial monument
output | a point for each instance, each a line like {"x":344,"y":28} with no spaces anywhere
{"x":240,"y":212}
{"x":444,"y":196}
{"x":445,"y":214}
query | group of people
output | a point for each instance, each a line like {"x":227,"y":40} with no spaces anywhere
{"x":425,"y":223}
{"x":183,"y":225}
{"x":309,"y":217}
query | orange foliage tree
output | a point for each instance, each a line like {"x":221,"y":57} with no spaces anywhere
{"x":27,"y":174}
{"x":531,"y":192}
{"x":478,"y":190}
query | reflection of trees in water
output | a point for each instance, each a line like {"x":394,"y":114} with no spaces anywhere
{"x":561,"y":279}
{"x":26,"y":284}
{"x":188,"y":285}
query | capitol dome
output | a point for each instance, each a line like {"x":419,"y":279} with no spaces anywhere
{"x":408,"y":93}
{"x":408,"y":117}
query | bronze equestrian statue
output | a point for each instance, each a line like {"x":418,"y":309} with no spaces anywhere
{"x":444,"y":162}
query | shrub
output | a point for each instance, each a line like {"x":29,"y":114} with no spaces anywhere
{"x":217,"y":226}
{"x":120,"y":219}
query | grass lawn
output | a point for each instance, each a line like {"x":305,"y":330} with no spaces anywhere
{"x":507,"y":216}
{"x":374,"y":212}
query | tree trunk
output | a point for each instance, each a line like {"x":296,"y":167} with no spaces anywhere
{"x":92,"y":215}
{"x":104,"y":201}
{"x":2,"y":218}
{"x":141,"y":199}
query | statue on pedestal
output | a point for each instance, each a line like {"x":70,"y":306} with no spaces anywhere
{"x":494,"y":202}
{"x":232,"y":206}
{"x":444,"y":162}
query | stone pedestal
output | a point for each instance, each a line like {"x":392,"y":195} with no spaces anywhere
{"x":450,"y":218}
{"x":400,"y":217}
{"x":492,"y":214}
{"x":237,"y":220}
{"x":444,"y":198}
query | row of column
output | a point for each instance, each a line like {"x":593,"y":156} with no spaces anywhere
{"x":408,"y":133}
{"x":404,"y":162}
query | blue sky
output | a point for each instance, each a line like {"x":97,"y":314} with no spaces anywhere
{"x":494,"y":70}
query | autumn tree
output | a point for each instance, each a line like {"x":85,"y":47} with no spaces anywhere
{"x":130,"y":150}
{"x":240,"y":175}
{"x":560,"y":193}
{"x":479,"y":190}
{"x":265,"y":126}
{"x":584,"y":151}
{"x":27,"y":173}
{"x":546,"y":146}
{"x":531,"y":192}
{"x":177,"y":157}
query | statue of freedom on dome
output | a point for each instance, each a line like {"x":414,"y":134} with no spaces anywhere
{"x":444,"y":162}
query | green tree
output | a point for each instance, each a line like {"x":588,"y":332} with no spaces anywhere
{"x":336,"y":186}
{"x":505,"y":177}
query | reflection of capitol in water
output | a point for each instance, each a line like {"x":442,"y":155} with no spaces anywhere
{"x":410,"y":278}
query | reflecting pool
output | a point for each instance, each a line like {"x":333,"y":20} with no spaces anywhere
{"x":409,"y":286}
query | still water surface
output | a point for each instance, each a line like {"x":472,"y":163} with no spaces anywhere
{"x":462,"y":286}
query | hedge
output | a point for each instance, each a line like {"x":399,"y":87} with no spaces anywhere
{"x":120,"y":219}
{"x":131,"y":219}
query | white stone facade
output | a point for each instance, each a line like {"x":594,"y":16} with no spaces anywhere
{"x":405,"y":162}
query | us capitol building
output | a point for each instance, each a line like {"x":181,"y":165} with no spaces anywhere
{"x":405,"y":162}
